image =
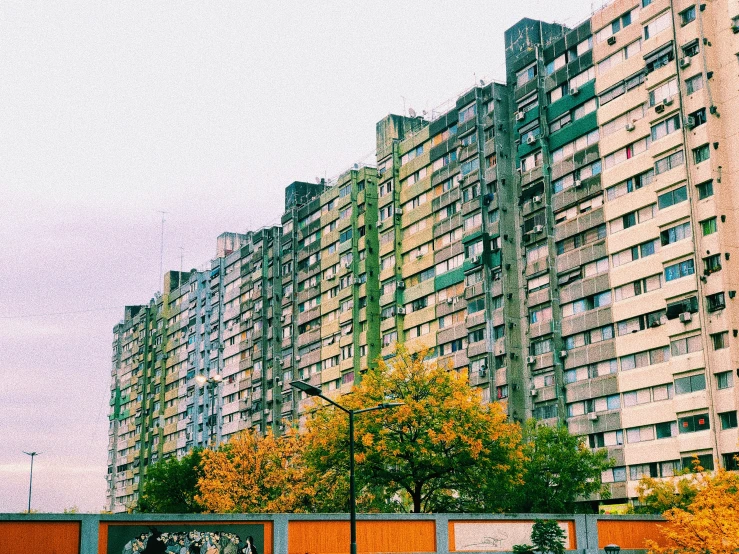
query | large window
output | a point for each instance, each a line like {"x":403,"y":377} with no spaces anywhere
{"x":693,"y":423}
{"x":679,"y":270}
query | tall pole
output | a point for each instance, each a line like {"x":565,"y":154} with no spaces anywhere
{"x":352,"y":493}
{"x":161,"y":251}
{"x":211,"y":422}
{"x":30,"y":481}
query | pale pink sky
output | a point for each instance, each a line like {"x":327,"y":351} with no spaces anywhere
{"x":110,"y":111}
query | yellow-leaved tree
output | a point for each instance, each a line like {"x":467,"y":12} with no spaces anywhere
{"x":442,"y":450}
{"x":255,"y":474}
{"x":710,"y":522}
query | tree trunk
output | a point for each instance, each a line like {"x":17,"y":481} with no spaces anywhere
{"x":417,"y":500}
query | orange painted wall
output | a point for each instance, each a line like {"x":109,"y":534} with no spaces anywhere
{"x":103,"y":530}
{"x":332,"y":537}
{"x":40,"y":537}
{"x":629,"y":534}
{"x":452,"y":540}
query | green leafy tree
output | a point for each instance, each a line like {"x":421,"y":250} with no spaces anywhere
{"x":656,"y":496}
{"x":170,"y":485}
{"x":442,"y":450}
{"x":559,"y":470}
{"x":548,"y":537}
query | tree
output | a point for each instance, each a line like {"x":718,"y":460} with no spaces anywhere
{"x":434,"y":453}
{"x":170,"y":485}
{"x":255,"y":474}
{"x":710,"y":523}
{"x":548,"y":538}
{"x":559,"y":470}
{"x":657,"y":496}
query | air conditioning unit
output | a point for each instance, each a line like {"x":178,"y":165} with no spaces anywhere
{"x":282,"y":318}
{"x":400,"y":310}
{"x":611,"y":41}
{"x":578,"y":183}
{"x":348,"y":265}
{"x":659,"y":108}
{"x":538,"y":228}
{"x":735,"y":26}
{"x":297,"y":358}
{"x":530,"y":359}
{"x":537,"y":199}
{"x":563,"y":353}
{"x":483,"y":371}
{"x":534,"y":392}
{"x":630,"y":126}
{"x":266,"y":411}
{"x":356,"y":281}
{"x":520,"y":116}
{"x":689,"y":121}
{"x":450,"y":300}
{"x":474,"y":260}
{"x":684,"y":62}
{"x":686,"y":317}
{"x":401,"y":284}
{"x":531,"y":139}
{"x":667,"y":101}
{"x":592,"y":416}
{"x":399,"y":211}
{"x":574,"y":91}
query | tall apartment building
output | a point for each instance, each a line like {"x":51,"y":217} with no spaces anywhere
{"x":567,"y":238}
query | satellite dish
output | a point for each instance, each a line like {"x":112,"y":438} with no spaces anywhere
{"x":482,"y":83}
{"x":411,"y":112}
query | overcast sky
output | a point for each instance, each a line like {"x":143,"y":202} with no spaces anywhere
{"x":113,"y":111}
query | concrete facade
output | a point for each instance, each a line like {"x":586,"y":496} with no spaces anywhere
{"x":567,"y":238}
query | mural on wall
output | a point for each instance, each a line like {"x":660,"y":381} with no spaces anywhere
{"x":491,"y":536}
{"x":186,"y":539}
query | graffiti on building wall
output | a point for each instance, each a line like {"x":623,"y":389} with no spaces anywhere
{"x":489,"y":536}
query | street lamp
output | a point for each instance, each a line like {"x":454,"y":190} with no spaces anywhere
{"x":30,"y":481}
{"x":612,"y":548}
{"x":212,"y":383}
{"x":310,"y":390}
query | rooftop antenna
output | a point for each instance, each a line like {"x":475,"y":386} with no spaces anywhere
{"x":182,"y":256}
{"x":161,"y":249}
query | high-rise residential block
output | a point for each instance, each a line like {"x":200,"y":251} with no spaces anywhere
{"x":566,"y":238}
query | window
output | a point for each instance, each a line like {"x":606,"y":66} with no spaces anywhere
{"x":708,"y":226}
{"x":586,"y":304}
{"x":711,"y":264}
{"x":526,"y":75}
{"x":411,"y":154}
{"x":665,"y":430}
{"x":634,"y":253}
{"x":630,"y":185}
{"x":663,"y":92}
{"x":705,"y":462}
{"x":641,"y":322}
{"x":477,"y":335}
{"x":686,"y":305}
{"x":687,"y":15}
{"x":540,"y":347}
{"x":468,"y":112}
{"x":616,"y":25}
{"x":687,"y":345}
{"x":731,"y":461}
{"x":623,"y":154}
{"x":694,"y":383}
{"x":691,"y":49}
{"x":672,"y":197}
{"x":716,"y":302}
{"x":621,"y":88}
{"x":679,"y":270}
{"x":705,"y":190}
{"x":632,"y":218}
{"x":638,"y":287}
{"x":675,"y":234}
{"x":694,"y":84}
{"x":720,"y":340}
{"x":614,"y":475}
{"x":540,"y":314}
{"x":665,"y":127}
{"x":619,"y":56}
{"x":668,"y":162}
{"x":657,"y":25}
{"x":608,"y":438}
{"x":693,"y":423}
{"x":724,"y":380}
{"x":701,"y":154}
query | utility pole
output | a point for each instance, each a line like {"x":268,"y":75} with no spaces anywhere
{"x":30,"y":482}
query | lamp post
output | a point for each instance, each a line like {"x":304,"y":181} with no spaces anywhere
{"x":30,"y":481}
{"x":612,"y":548}
{"x":212,"y":383}
{"x":310,"y":390}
